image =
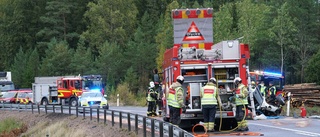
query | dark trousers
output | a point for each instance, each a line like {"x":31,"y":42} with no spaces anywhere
{"x":151,"y":107}
{"x":240,"y":113}
{"x":159,"y":106}
{"x":174,"y":115}
{"x":209,"y":113}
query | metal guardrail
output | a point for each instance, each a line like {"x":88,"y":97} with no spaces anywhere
{"x":153,"y":125}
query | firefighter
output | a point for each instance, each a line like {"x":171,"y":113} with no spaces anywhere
{"x":241,"y":99}
{"x":272,"y":92}
{"x":263,"y":89}
{"x":151,"y":99}
{"x":175,"y":100}
{"x":158,"y":88}
{"x":253,"y":85}
{"x":209,"y":96}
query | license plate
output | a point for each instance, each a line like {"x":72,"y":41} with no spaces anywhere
{"x":187,"y":115}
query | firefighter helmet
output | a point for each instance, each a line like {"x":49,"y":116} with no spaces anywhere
{"x":253,"y":83}
{"x":151,"y":84}
{"x":180,"y":79}
{"x":237,"y":79}
{"x":213,"y":80}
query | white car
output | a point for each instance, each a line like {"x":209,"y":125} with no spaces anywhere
{"x":93,"y":99}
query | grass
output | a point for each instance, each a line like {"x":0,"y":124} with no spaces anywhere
{"x":58,"y":129}
{"x":9,"y":124}
{"x":311,"y":110}
{"x":127,"y":97}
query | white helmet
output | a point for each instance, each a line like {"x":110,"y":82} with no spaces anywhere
{"x":151,"y":84}
{"x":213,"y":80}
{"x":237,"y":79}
{"x":181,"y":78}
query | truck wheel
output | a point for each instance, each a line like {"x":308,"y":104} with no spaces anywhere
{"x":44,"y":101}
{"x":73,"y":102}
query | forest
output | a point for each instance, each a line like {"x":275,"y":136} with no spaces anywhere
{"x":123,"y":40}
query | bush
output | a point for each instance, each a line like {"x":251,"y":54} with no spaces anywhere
{"x":126,"y":96}
{"x":11,"y":127}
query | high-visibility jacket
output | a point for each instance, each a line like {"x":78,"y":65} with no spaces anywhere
{"x":242,"y":93}
{"x":272,"y":90}
{"x":263,"y":90}
{"x":174,"y":98}
{"x":209,"y":94}
{"x":150,"y":94}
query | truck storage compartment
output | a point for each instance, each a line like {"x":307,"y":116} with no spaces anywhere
{"x":195,"y":74}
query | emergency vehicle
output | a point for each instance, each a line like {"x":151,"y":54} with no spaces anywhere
{"x":267,"y":77}
{"x":93,"y":83}
{"x":197,"y":59}
{"x":24,"y":96}
{"x":6,"y":83}
{"x":63,"y":90}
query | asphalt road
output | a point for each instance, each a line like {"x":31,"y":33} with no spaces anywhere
{"x":284,"y":126}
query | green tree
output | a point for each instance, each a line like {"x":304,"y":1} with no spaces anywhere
{"x":111,"y":63}
{"x":56,"y":23}
{"x":82,"y":61}
{"x":19,"y":68}
{"x":164,"y":38}
{"x":18,"y":26}
{"x":283,"y":30}
{"x":114,"y":21}
{"x":305,"y":41}
{"x":57,"y":60}
{"x":32,"y":68}
{"x":312,"y":69}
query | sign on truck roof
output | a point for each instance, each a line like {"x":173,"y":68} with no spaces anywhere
{"x":193,"y":27}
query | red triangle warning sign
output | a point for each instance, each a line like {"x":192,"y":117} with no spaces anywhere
{"x":193,"y":33}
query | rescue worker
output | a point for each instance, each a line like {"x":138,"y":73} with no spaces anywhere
{"x":151,"y":100}
{"x":175,"y":100}
{"x":272,"y":92}
{"x":241,"y":99}
{"x":209,"y":96}
{"x":158,"y":89}
{"x":253,"y":85}
{"x":263,"y":89}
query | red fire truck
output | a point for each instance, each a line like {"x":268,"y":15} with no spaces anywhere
{"x":197,"y":58}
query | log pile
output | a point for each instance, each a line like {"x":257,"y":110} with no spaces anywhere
{"x":305,"y":93}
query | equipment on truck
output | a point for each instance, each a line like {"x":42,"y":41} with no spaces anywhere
{"x":6,"y":83}
{"x":196,"y":58}
{"x":57,"y":90}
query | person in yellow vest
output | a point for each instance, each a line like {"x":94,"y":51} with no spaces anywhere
{"x":272,"y":92}
{"x":241,"y":95}
{"x":263,"y":89}
{"x":175,"y":100}
{"x":209,"y":100}
{"x":151,"y":99}
{"x":253,"y":85}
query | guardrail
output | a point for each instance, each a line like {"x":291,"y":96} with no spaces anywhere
{"x":154,"y":125}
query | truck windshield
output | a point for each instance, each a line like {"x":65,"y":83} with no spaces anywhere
{"x":6,"y":87}
{"x":92,"y":84}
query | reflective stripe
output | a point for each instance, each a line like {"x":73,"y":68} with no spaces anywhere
{"x":274,"y":90}
{"x":240,"y":101}
{"x":209,"y":95}
{"x":172,"y":98}
{"x":149,"y":98}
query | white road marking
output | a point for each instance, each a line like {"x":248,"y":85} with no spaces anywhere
{"x":288,"y":129}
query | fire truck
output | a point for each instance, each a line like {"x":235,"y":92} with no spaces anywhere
{"x":6,"y":83}
{"x":197,"y":58}
{"x":61,"y":90}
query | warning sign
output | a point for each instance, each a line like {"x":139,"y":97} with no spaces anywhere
{"x":193,"y":33}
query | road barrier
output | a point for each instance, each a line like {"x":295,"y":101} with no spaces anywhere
{"x":148,"y":124}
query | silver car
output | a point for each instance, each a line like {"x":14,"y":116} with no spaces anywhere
{"x":93,"y":99}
